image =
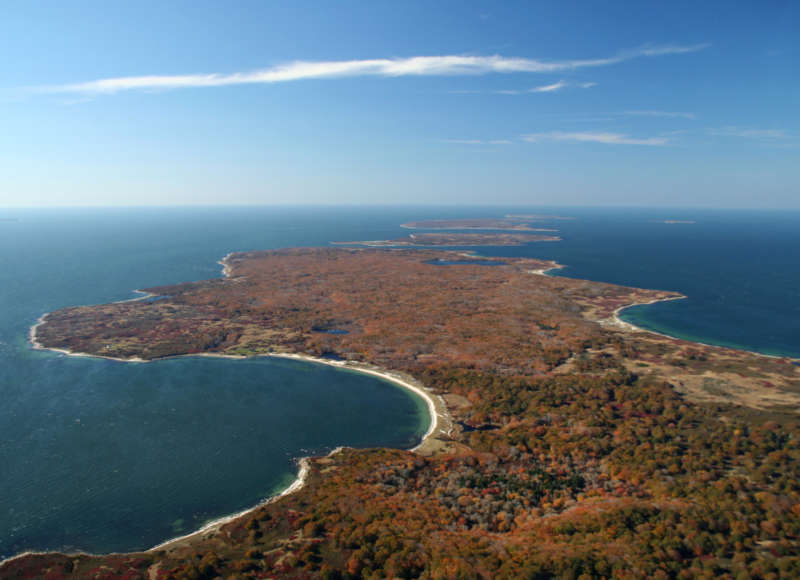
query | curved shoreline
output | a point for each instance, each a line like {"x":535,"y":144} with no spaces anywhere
{"x":39,"y":321}
{"x":630,"y":327}
{"x":211,"y":526}
{"x":440,"y":422}
{"x":623,"y":325}
{"x":214,"y":525}
{"x":439,"y":417}
{"x":437,"y":412}
{"x":226,"y":268}
{"x":614,"y":321}
{"x":544,"y":271}
{"x":626,"y":326}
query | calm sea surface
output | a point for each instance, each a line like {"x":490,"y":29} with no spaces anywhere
{"x":99,"y":456}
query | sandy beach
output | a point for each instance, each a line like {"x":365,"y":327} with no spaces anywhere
{"x":226,"y":272}
{"x":440,"y":424}
{"x":437,"y":409}
{"x":214,"y":525}
{"x":544,"y":271}
{"x":38,"y":346}
{"x":32,"y":333}
{"x":616,"y":322}
{"x":226,"y":268}
{"x":144,"y":296}
{"x":440,"y":421}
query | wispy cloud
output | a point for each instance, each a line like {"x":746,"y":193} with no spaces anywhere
{"x":665,"y":114}
{"x":595,"y":137}
{"x":660,"y":50}
{"x":446,"y":65}
{"x":749,"y":133}
{"x":551,"y":88}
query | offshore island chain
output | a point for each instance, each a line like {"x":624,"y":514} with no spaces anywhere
{"x":542,"y":405}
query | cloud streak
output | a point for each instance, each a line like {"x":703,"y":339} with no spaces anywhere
{"x":551,"y":88}
{"x":595,"y":137}
{"x":446,"y":65}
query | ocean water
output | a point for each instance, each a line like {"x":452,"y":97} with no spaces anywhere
{"x":99,"y":455}
{"x":740,"y":270}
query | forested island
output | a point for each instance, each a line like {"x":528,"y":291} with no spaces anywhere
{"x":577,"y":446}
{"x":521,"y":223}
{"x":537,"y":217}
{"x":455,"y":239}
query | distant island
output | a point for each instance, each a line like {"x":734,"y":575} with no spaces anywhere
{"x":454,"y":239}
{"x":537,"y":216}
{"x":674,"y":221}
{"x":569,"y":444}
{"x":475,"y":224}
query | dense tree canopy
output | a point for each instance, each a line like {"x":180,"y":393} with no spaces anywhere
{"x":583,"y":451}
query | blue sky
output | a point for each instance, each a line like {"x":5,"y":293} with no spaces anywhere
{"x":541,"y":103}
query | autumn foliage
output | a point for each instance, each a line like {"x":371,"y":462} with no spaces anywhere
{"x":576,"y":456}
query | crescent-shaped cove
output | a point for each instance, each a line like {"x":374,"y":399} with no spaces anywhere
{"x":125,"y":456}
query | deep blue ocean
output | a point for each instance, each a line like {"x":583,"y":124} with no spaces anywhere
{"x":100,"y":456}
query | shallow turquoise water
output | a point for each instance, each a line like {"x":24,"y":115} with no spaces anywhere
{"x":100,"y":455}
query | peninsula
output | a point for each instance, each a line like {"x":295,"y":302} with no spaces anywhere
{"x":579,"y":446}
